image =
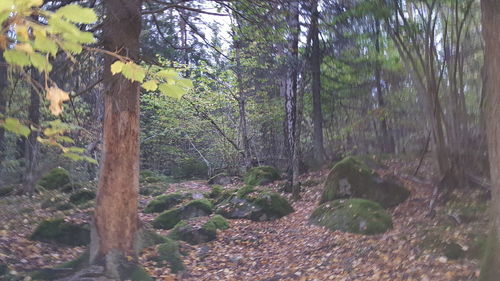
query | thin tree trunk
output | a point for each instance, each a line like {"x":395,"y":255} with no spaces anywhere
{"x":3,"y":103}
{"x":31,"y":144}
{"x":490,"y":270}
{"x":289,"y":88}
{"x":241,"y":98}
{"x":115,"y":224}
{"x":319,"y":150}
{"x":387,"y":138}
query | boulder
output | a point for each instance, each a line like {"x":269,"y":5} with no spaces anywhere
{"x":352,"y":215}
{"x":215,"y":192}
{"x":163,"y":202}
{"x":82,"y":196}
{"x":261,"y":175}
{"x":197,"y":234}
{"x":57,"y":178}
{"x":195,"y":208}
{"x":254,"y":205}
{"x":60,"y":232}
{"x":351,"y":178}
{"x":220,"y":179}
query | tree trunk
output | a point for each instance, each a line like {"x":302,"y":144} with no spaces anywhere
{"x":387,"y":138}
{"x":319,"y":150}
{"x":289,"y":89}
{"x":490,"y":270}
{"x":31,"y":144}
{"x":3,"y":103}
{"x":115,"y":223}
{"x":241,"y":98}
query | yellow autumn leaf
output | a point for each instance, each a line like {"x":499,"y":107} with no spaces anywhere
{"x":56,"y":97}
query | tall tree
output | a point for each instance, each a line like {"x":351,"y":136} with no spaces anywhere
{"x":31,"y":144}
{"x":115,"y":225}
{"x":289,"y":91}
{"x":490,"y":269}
{"x":3,"y":102}
{"x":315,"y":63}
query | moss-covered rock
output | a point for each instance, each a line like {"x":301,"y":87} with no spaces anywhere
{"x":453,"y":251}
{"x":7,"y":190}
{"x":169,"y":252}
{"x":352,"y":215}
{"x":62,"y":270}
{"x":273,"y":206}
{"x":148,"y":176}
{"x":255,"y":205}
{"x":194,"y":208}
{"x":155,"y":189}
{"x":196,"y":234}
{"x":261,"y":175}
{"x":163,"y":202}
{"x":57,"y":178}
{"x":220,"y":179}
{"x":61,"y":232}
{"x":244,"y":191}
{"x":351,"y":178}
{"x":216,"y":192}
{"x":82,"y":196}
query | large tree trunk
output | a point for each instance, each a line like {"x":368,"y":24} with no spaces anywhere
{"x":289,"y":89}
{"x":31,"y":144}
{"x":115,"y":222}
{"x":490,"y":270}
{"x":319,"y":150}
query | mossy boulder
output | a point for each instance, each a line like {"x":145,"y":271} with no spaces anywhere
{"x":163,"y":202}
{"x":7,"y":190}
{"x":57,"y":178}
{"x":169,"y":252}
{"x":351,"y":178}
{"x":257,"y":205}
{"x":352,"y":215}
{"x":215,"y":192}
{"x":62,"y":270}
{"x":197,"y":234}
{"x":72,"y":187}
{"x":453,"y":251}
{"x":82,"y":196}
{"x":261,"y":175}
{"x":60,"y":232}
{"x":220,"y":179}
{"x":194,"y":208}
{"x":148,"y":176}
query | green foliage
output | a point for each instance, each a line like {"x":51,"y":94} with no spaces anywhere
{"x":261,"y":175}
{"x":55,"y":179}
{"x":169,"y":252}
{"x":189,"y":168}
{"x":13,"y":125}
{"x":61,"y":232}
{"x":163,"y":202}
{"x":140,"y":274}
{"x":352,"y":215}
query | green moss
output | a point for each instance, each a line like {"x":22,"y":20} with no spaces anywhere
{"x":200,"y":204}
{"x":82,"y":196}
{"x":244,"y":191}
{"x":167,"y":219}
{"x":352,"y":215}
{"x":53,"y":201}
{"x":453,"y":251}
{"x":219,"y":222}
{"x":6,"y":190}
{"x":273,"y":204}
{"x":169,"y":252}
{"x":261,"y":175}
{"x":215,"y":192}
{"x":139,"y":274}
{"x":56,"y":273}
{"x":194,"y":235}
{"x":163,"y":202}
{"x":351,"y":178}
{"x":55,"y":179}
{"x":61,"y":232}
{"x":224,"y":197}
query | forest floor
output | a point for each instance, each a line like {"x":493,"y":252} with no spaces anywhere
{"x":285,"y":249}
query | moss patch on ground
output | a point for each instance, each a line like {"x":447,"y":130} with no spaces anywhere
{"x":169,"y":252}
{"x":57,"y":178}
{"x":163,"y":202}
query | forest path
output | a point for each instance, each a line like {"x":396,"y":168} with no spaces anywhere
{"x":291,"y":249}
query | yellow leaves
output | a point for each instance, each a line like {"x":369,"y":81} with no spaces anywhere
{"x":14,"y":125}
{"x":117,"y":67}
{"x":56,"y":97}
{"x":150,"y":85}
{"x":77,"y":14}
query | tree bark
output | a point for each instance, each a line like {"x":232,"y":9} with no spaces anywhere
{"x":490,"y":269}
{"x":315,"y":60}
{"x":241,"y":98}
{"x":289,"y":90}
{"x":3,"y":103}
{"x":115,"y":223}
{"x":31,"y":144}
